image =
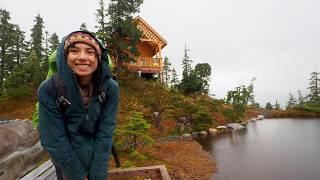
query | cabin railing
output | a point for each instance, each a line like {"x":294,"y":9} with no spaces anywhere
{"x":146,"y":64}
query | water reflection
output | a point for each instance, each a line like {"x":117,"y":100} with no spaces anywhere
{"x":268,"y":149}
{"x":237,"y":136}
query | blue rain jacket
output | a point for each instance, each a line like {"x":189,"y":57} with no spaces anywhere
{"x":81,"y":144}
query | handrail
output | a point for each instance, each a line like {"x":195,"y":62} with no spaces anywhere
{"x":147,"y":62}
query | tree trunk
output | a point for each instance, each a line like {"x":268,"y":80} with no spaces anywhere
{"x":135,"y":141}
{"x":2,"y":62}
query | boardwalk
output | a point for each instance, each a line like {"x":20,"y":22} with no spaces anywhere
{"x":47,"y":172}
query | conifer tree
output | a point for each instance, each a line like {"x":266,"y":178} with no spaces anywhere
{"x":250,"y":95}
{"x":292,"y":102}
{"x":37,"y":44}
{"x":83,"y":27}
{"x":24,"y":78}
{"x":191,"y":84}
{"x":46,"y":49}
{"x":174,"y":79}
{"x":300,"y":99}
{"x":314,"y":88}
{"x":188,"y":77}
{"x":101,"y":19}
{"x":186,"y":63}
{"x":121,"y":33}
{"x":37,"y":37}
{"x":20,"y":46}
{"x":268,"y":106}
{"x":6,"y":43}
{"x":135,"y":130}
{"x":166,"y":71}
{"x":277,"y":106}
{"x":54,"y":42}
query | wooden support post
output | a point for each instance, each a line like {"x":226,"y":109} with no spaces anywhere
{"x":160,"y":64}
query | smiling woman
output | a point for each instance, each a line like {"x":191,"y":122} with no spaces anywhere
{"x":79,"y":138}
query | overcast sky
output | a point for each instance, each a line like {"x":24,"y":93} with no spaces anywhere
{"x":276,"y":41}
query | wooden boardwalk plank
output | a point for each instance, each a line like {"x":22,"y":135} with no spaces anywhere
{"x":36,"y":173}
{"x":47,"y":172}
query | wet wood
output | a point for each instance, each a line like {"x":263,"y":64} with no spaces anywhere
{"x":151,"y":172}
{"x":47,"y":172}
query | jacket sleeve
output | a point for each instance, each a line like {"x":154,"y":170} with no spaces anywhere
{"x":105,"y":129}
{"x":53,"y":135}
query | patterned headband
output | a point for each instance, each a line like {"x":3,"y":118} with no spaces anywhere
{"x":82,"y":37}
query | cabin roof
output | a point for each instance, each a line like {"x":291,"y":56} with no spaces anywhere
{"x":149,"y":33}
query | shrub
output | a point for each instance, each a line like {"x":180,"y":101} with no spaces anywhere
{"x":135,"y":155}
{"x":230,"y":114}
{"x":202,"y":122}
{"x":128,"y":164}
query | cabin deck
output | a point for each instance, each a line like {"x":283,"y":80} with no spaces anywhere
{"x":146,"y":65}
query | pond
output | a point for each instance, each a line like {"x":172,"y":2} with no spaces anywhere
{"x":271,"y":149}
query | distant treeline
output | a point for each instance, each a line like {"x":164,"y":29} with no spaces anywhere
{"x":308,"y":103}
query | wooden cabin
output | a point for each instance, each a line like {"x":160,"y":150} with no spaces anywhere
{"x":151,"y":43}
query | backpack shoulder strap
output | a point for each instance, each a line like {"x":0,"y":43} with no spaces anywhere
{"x":62,"y":95}
{"x":102,"y":97}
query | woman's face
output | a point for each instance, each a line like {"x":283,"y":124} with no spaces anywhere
{"x":82,"y":59}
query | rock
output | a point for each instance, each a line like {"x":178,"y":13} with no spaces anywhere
{"x":203,"y":133}
{"x":213,"y":130}
{"x":186,"y":135}
{"x":235,"y":126}
{"x":20,"y":149}
{"x":260,"y":117}
{"x":243,"y":123}
{"x":180,"y":126}
{"x":3,"y":122}
{"x":253,"y":119}
{"x":156,"y":114}
{"x":182,"y":120}
{"x":221,"y":127}
{"x":195,"y":134}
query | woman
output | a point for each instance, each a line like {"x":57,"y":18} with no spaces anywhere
{"x":79,"y":138}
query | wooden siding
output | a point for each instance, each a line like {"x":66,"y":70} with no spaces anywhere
{"x":145,"y":49}
{"x":149,"y":33}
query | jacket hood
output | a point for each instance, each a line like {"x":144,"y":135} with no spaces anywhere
{"x":68,"y":75}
